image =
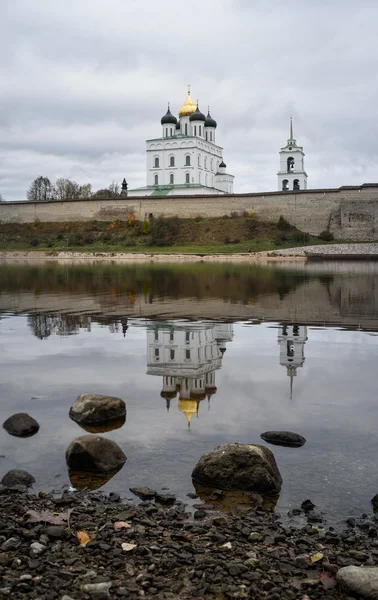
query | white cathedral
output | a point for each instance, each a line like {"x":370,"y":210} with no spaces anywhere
{"x":186,"y":159}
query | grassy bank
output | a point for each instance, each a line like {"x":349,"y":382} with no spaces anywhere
{"x":239,"y":233}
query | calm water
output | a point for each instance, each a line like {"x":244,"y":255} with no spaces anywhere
{"x":233,"y":350}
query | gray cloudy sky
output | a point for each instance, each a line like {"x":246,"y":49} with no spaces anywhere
{"x":85,"y":82}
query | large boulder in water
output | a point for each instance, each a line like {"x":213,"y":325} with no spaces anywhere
{"x":21,"y":425}
{"x":239,"y":467}
{"x":94,"y":409}
{"x":359,"y":581}
{"x":284,"y":438}
{"x":94,"y":453}
{"x":17,"y":477}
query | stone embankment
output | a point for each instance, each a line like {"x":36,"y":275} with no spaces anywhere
{"x":277,"y":255}
{"x":90,"y":547}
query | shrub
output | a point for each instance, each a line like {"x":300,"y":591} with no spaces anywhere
{"x":283,"y":225}
{"x":164,"y":231}
{"x":326,"y":235}
{"x":146,"y":227}
{"x":227,"y":239}
{"x":131,"y":219}
{"x":234,"y":214}
{"x":36,"y":223}
{"x":34,"y":242}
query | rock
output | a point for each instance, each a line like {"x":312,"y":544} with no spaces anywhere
{"x":239,"y":466}
{"x":307,"y":505}
{"x":165,"y":498}
{"x":55,"y":532}
{"x":361,"y":581}
{"x":17,"y":477}
{"x":11,"y":544}
{"x":94,"y":453}
{"x":94,"y":409}
{"x":283,"y":438}
{"x":21,"y":425}
{"x":97,"y":590}
{"x":36,"y":549}
{"x":374,"y":502}
{"x":145,"y":493}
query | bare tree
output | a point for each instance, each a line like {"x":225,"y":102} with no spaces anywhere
{"x":65,"y":189}
{"x":85,"y":191}
{"x":40,"y":190}
{"x":111,"y":192}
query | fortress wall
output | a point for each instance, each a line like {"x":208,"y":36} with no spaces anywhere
{"x":349,"y":212}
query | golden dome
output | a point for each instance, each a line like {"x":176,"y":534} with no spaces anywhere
{"x":189,"y":107}
{"x":188,"y":408}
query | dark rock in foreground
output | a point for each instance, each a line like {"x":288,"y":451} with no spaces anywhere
{"x":21,"y":425}
{"x":94,"y":409}
{"x":94,"y":453}
{"x":18,"y":477}
{"x":283,"y":438}
{"x":145,"y":493}
{"x":239,"y":467}
{"x":374,"y":502}
{"x":361,"y":581}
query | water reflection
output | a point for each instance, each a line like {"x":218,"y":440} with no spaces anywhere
{"x":292,"y":339}
{"x":186,"y":356}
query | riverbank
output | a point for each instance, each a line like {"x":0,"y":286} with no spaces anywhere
{"x":297,"y":254}
{"x":155,"y":551}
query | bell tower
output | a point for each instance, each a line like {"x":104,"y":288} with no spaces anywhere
{"x":292,"y":175}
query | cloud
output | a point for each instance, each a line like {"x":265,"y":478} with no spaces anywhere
{"x":84,"y":84}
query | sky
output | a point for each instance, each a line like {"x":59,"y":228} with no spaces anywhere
{"x":85,"y":82}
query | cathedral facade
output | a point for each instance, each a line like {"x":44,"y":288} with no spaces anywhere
{"x":186,"y":158}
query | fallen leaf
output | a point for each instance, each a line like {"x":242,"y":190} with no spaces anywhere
{"x":227,"y":545}
{"x":121,"y":525}
{"x":83,"y":538}
{"x":327,"y":580}
{"x":316,"y":557}
{"x":128,"y":547}
{"x":45,"y":516}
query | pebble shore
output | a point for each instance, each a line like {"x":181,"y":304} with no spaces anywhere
{"x":153,"y":551}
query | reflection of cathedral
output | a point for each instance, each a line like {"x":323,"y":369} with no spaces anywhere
{"x":292,"y":339}
{"x":186,"y":355}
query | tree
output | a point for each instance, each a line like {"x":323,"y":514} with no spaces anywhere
{"x":40,"y":190}
{"x":65,"y":189}
{"x":111,"y":192}
{"x":85,"y":191}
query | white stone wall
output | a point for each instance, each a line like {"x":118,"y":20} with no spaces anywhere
{"x":349,"y":212}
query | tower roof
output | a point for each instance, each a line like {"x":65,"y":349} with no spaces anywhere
{"x":189,"y":107}
{"x":168,"y":118}
{"x":197,"y":116}
{"x":210,"y":122}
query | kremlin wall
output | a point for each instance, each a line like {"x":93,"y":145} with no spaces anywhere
{"x":349,"y":212}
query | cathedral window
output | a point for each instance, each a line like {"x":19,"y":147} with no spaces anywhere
{"x":187,"y":178}
{"x":172,"y":355}
{"x":290,"y":164}
{"x":211,"y":136}
{"x":157,"y":353}
{"x":211,"y":165}
{"x":199,"y":129}
{"x":205,"y":162}
{"x":199,"y":160}
{"x":187,"y":354}
{"x":285,"y":185}
{"x":206,"y":135}
{"x":156,"y":179}
{"x":187,"y":160}
{"x":157,"y":165}
{"x":171,"y":178}
{"x":172,"y":161}
{"x":195,"y":130}
{"x":186,"y":128}
{"x":296,"y":184}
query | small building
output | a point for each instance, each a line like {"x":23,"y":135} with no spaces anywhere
{"x":292,"y":175}
{"x":186,"y":158}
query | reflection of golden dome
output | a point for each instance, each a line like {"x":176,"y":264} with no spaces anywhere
{"x":189,"y":107}
{"x":188,"y":408}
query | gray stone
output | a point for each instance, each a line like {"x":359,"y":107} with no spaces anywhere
{"x":36,"y":549}
{"x":94,"y":453}
{"x":55,"y":532}
{"x":361,"y":581}
{"x":239,"y":467}
{"x":21,"y":425}
{"x":11,"y":544}
{"x":94,"y":409}
{"x":284,"y":438}
{"x":145,"y":493}
{"x":17,"y":477}
{"x":97,"y":590}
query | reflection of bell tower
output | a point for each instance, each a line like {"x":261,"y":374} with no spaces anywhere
{"x":292,"y":339}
